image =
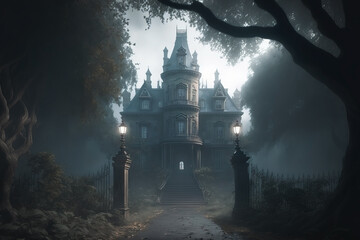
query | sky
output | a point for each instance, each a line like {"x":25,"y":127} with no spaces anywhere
{"x":148,"y":54}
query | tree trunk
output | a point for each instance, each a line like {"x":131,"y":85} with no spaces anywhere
{"x":343,"y":212}
{"x":7,"y":170}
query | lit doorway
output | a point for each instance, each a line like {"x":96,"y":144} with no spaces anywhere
{"x":181,"y":165}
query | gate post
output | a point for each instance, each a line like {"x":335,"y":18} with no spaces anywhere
{"x":121,"y":165}
{"x":239,"y":161}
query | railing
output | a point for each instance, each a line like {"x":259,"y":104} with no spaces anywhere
{"x":309,"y":191}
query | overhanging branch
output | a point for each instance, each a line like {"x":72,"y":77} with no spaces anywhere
{"x":326,"y":24}
{"x":319,"y":63}
{"x":221,"y":26}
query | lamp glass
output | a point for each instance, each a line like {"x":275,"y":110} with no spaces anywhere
{"x":237,"y":128}
{"x":122,"y":128}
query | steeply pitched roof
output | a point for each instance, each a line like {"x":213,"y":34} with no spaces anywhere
{"x":155,"y":95}
{"x":181,"y":44}
{"x":207,"y":95}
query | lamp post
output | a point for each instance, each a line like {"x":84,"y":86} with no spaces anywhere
{"x":121,"y":165}
{"x":241,"y":175}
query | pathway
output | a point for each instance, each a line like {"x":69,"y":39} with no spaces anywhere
{"x":182,"y":222}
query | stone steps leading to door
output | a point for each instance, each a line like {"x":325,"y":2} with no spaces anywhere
{"x":182,"y":189}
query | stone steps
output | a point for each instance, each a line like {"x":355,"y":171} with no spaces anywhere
{"x":182,"y":189}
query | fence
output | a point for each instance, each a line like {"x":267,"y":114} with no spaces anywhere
{"x":102,"y":181}
{"x":27,"y":182}
{"x":268,"y":190}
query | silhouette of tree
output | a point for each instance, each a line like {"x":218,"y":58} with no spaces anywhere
{"x":67,"y":57}
{"x":335,"y":64}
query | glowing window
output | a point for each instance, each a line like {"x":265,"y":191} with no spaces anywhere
{"x":181,"y":165}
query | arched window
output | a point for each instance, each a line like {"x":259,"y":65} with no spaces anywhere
{"x":181,"y":165}
{"x":219,"y":130}
{"x":181,"y":91}
{"x":181,"y":125}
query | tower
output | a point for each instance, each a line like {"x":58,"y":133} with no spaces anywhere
{"x":181,"y":142}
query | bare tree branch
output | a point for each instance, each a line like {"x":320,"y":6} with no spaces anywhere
{"x":326,"y":24}
{"x":29,"y":139}
{"x":20,"y":93}
{"x":4,"y":117}
{"x":20,"y":126}
{"x":224,"y":27}
{"x":319,"y":63}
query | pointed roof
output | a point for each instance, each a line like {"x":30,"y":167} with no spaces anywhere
{"x":182,"y":45}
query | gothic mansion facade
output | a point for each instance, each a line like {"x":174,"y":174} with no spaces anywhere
{"x":180,"y":125}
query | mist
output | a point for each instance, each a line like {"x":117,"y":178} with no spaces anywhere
{"x":298,"y":125}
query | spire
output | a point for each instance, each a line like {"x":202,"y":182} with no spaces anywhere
{"x":216,"y":77}
{"x":194,"y":63}
{"x":148,"y":77}
{"x":180,"y":57}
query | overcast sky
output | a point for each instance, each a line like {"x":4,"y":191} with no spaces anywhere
{"x":148,"y":53}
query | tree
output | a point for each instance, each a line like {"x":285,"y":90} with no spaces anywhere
{"x":338,"y":70}
{"x":68,"y":58}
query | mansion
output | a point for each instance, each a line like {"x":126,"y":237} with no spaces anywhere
{"x":180,"y":125}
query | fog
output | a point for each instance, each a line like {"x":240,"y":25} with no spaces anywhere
{"x":298,"y":125}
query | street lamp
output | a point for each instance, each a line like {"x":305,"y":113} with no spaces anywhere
{"x":241,"y":175}
{"x":121,"y":165}
{"x":122,"y":131}
{"x":237,"y":129}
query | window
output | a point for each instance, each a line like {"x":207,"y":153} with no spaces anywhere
{"x":180,"y":128}
{"x":181,"y":165}
{"x":144,"y":132}
{"x":181,"y":93}
{"x":219,"y":130}
{"x":219,"y":104}
{"x":145,"y":104}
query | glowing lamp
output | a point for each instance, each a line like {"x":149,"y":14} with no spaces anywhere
{"x":237,"y":128}
{"x":122,"y":128}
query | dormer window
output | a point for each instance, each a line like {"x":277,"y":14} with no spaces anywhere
{"x":219,"y":93}
{"x":145,"y":104}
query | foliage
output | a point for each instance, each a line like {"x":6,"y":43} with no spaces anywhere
{"x":49,"y":189}
{"x":205,"y":177}
{"x":242,"y":13}
{"x":51,"y":184}
{"x":286,"y":196}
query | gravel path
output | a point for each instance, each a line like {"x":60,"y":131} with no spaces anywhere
{"x":182,"y":222}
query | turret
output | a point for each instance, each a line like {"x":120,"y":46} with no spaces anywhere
{"x":165,"y":58}
{"x":217,"y":80}
{"x":148,"y":78}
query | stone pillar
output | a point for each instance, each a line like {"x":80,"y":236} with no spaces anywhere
{"x":241,"y":178}
{"x":121,"y":165}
